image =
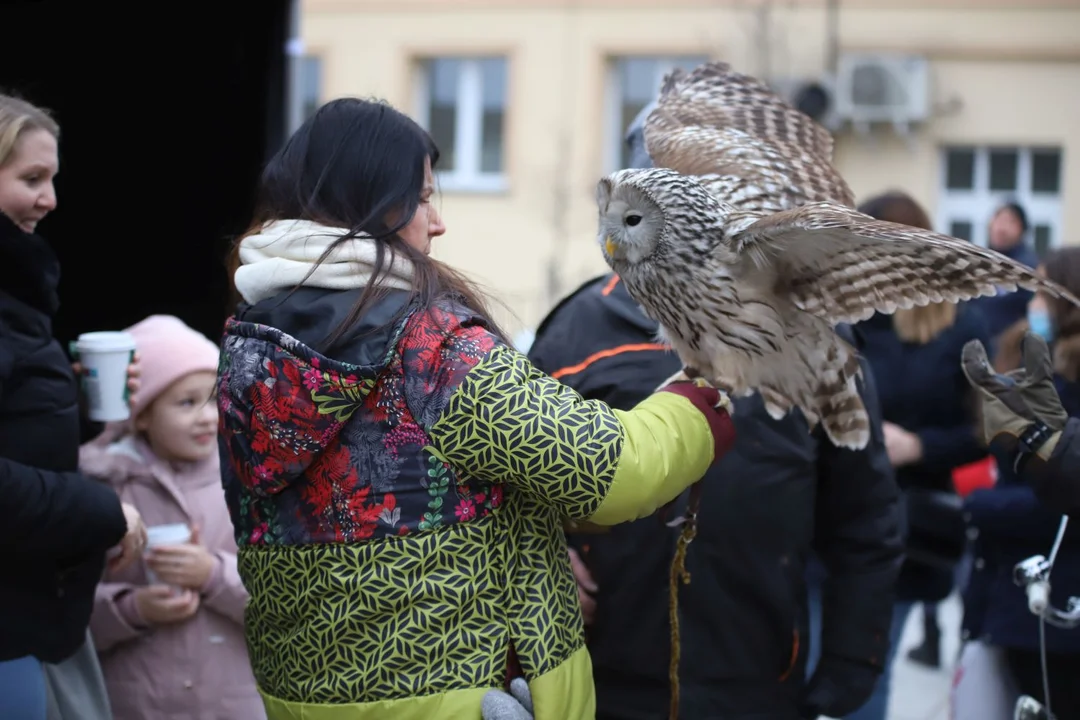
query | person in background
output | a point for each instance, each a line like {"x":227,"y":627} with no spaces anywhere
{"x":778,"y":494}
{"x":397,"y":474}
{"x":169,"y":629}
{"x":1013,"y":525}
{"x":1008,"y":230}
{"x":929,"y":431}
{"x":57,"y":524}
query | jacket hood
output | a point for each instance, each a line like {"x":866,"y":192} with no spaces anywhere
{"x":281,"y":404}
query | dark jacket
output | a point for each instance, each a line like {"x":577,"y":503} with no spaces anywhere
{"x":57,"y":524}
{"x":780,"y":493}
{"x":1012,"y":525}
{"x":1007,"y":307}
{"x":1057,"y":482}
{"x":923,"y":390}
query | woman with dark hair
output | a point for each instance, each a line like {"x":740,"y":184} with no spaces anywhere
{"x":397,"y":474}
{"x":929,"y":431}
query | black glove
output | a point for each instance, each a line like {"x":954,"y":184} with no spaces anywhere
{"x":838,"y":686}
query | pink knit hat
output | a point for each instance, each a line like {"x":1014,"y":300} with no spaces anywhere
{"x":168,"y":350}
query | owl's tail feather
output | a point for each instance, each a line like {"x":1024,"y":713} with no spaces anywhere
{"x":837,"y":401}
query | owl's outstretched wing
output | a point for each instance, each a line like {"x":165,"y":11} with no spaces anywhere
{"x":714,"y":121}
{"x":842,"y":266}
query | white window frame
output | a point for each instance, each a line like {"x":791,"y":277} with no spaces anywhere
{"x":613,"y":96}
{"x":469,"y":125}
{"x":977,"y":205}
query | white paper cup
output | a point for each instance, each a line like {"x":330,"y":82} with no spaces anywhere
{"x":158,"y":535}
{"x":174,"y":534}
{"x":105,"y":357}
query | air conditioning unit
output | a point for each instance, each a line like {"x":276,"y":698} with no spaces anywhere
{"x":883,"y":88}
{"x":815,"y":97}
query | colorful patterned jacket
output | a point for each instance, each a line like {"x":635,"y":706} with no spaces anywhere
{"x":399,"y":508}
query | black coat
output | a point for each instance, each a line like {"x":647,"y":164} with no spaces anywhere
{"x":1057,"y":482}
{"x":55,"y":524}
{"x":923,"y":390}
{"x":780,"y":494}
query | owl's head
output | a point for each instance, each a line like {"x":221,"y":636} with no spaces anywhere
{"x":647,"y":214}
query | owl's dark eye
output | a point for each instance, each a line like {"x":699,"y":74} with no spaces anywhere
{"x":633,"y":219}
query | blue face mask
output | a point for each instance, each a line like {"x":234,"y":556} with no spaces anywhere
{"x":1039,"y":324}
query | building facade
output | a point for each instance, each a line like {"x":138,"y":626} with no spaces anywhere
{"x":528,"y":101}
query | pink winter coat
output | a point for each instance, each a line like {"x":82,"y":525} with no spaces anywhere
{"x":196,"y":670}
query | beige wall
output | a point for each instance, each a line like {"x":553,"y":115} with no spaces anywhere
{"x":1008,"y":71}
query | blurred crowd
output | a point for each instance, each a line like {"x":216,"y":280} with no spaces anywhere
{"x":347,"y":545}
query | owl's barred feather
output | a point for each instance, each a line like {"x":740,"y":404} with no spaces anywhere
{"x":744,"y":246}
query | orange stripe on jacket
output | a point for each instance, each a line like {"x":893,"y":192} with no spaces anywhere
{"x":610,"y":285}
{"x":610,"y":352}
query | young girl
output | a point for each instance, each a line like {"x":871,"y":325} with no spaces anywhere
{"x":169,"y":630}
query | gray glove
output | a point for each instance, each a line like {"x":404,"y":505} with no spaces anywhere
{"x":515,"y":705}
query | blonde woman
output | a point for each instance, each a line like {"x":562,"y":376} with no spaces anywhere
{"x":929,"y":431}
{"x":57,"y":524}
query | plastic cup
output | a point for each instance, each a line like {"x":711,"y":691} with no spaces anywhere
{"x":158,"y":535}
{"x":105,"y":357}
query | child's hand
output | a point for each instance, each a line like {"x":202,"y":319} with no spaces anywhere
{"x":186,"y":566}
{"x":163,"y":605}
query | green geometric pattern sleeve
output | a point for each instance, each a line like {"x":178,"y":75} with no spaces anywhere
{"x":509,"y":422}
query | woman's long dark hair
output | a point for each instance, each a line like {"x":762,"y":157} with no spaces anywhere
{"x":354,"y":164}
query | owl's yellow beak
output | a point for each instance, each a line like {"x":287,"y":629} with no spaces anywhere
{"x":609,"y":246}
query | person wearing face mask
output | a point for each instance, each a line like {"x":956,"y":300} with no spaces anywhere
{"x":1011,"y":522}
{"x":57,"y":524}
{"x":1038,"y":319}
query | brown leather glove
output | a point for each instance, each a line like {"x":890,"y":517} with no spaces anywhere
{"x":1013,"y":402}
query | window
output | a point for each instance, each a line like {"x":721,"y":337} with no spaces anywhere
{"x":462,"y":103}
{"x":976,"y":180}
{"x":305,"y":86}
{"x":310,"y":82}
{"x":634,"y":82}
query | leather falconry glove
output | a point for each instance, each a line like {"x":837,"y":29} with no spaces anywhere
{"x":1020,"y":407}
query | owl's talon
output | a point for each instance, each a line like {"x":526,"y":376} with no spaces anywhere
{"x":678,"y":377}
{"x":724,"y":403}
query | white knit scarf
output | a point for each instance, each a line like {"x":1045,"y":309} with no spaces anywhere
{"x":280,"y":257}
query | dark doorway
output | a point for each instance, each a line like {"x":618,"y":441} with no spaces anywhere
{"x":167,"y":113}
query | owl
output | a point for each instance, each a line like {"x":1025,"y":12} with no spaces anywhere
{"x":743,"y":244}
